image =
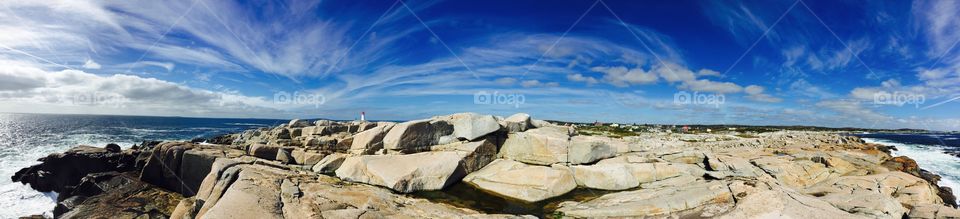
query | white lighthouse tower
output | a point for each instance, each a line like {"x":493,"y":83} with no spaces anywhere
{"x":362,"y":116}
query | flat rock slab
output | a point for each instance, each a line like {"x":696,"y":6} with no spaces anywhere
{"x":523,"y":182}
{"x":405,"y":173}
{"x":471,"y":126}
{"x":540,"y":146}
{"x":651,"y":202}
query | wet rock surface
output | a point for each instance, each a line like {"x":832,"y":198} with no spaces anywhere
{"x":470,"y":165}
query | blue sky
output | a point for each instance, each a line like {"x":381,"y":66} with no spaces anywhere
{"x":874,"y":64}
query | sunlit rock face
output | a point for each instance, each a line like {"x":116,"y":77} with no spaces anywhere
{"x":334,"y":169}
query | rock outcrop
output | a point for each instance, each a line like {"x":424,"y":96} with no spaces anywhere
{"x":417,"y":136}
{"x":61,"y":172}
{"x":360,"y":169}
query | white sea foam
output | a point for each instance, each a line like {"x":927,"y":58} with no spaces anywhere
{"x":931,"y":158}
{"x":19,"y":200}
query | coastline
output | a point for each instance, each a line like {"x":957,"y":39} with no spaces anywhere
{"x":931,"y":159}
{"x":411,"y":169}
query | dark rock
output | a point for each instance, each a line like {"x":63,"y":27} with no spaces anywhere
{"x":198,"y":140}
{"x":61,"y":172}
{"x":68,"y":204}
{"x":946,"y":194}
{"x":112,"y":147}
{"x":223,"y":139}
{"x":147,"y":145}
{"x":123,"y":196}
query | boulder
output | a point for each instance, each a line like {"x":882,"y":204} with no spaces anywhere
{"x":114,"y":148}
{"x":470,"y":126}
{"x":418,"y":172}
{"x":251,"y":195}
{"x":324,"y":122}
{"x":298,"y":123}
{"x":416,"y":136}
{"x":330,"y":163}
{"x":285,"y":155}
{"x":589,"y":149}
{"x":164,"y":167}
{"x":307,"y":157}
{"x":541,"y":146}
{"x":195,"y":166}
{"x":369,"y":141}
{"x":479,"y":153}
{"x":522,"y":182}
{"x":536,"y":123}
{"x":679,"y":201}
{"x":517,"y":123}
{"x":263,"y":151}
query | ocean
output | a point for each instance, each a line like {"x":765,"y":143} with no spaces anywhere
{"x":24,"y":138}
{"x":934,"y":152}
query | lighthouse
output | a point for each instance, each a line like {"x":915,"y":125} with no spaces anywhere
{"x":362,"y":116}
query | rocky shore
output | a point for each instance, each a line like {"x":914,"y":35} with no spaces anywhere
{"x":359,"y":169}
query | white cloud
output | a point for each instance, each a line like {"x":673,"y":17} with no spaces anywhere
{"x":854,"y":109}
{"x":505,"y":81}
{"x":939,"y":23}
{"x":216,"y":34}
{"x":580,"y":78}
{"x":804,"y":88}
{"x":843,"y":56}
{"x":705,"y":85}
{"x":675,"y":73}
{"x":708,"y":72}
{"x":90,"y":64}
{"x":755,"y":93}
{"x":622,"y":76}
{"x":537,"y":83}
{"x":121,"y":94}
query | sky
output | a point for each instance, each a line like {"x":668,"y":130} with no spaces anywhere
{"x":869,"y":64}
